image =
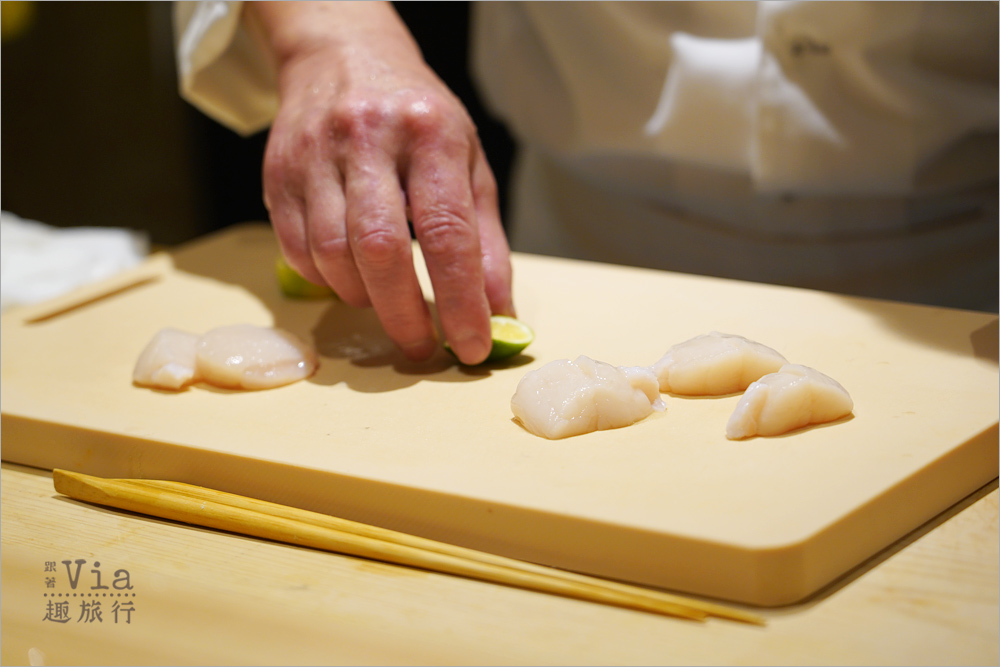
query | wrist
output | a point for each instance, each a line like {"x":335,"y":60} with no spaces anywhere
{"x":342,"y":31}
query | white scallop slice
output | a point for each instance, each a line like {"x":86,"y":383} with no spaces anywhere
{"x":565,"y":398}
{"x":715,"y":364}
{"x":794,"y":397}
{"x":244,"y":356}
{"x":168,"y":360}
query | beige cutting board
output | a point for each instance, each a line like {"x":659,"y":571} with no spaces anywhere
{"x":432,"y":448}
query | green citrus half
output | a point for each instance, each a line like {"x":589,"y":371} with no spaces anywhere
{"x":510,"y":337}
{"x":294,"y":285}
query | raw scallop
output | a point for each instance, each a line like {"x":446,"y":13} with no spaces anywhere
{"x":250,"y":357}
{"x":168,"y":361}
{"x":714,"y":364}
{"x":564,"y":398}
{"x":794,"y":397}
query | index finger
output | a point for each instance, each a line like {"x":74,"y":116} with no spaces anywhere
{"x":380,"y":243}
{"x":444,"y":220}
{"x":492,"y":238}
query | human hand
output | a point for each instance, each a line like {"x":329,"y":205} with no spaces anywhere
{"x":365,"y":134}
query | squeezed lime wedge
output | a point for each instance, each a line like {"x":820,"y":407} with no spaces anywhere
{"x":292,"y":283}
{"x":510,"y":337}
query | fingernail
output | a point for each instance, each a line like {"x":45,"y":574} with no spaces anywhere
{"x":472,"y":348}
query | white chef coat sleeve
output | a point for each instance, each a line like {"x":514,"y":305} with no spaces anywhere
{"x":224,"y":66}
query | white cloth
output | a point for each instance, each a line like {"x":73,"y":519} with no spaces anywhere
{"x":39,"y":262}
{"x":840,"y":145}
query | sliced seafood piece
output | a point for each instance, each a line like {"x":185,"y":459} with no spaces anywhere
{"x":715,"y":364}
{"x":564,"y":398}
{"x":794,"y":397}
{"x":245,"y":356}
{"x":168,"y":360}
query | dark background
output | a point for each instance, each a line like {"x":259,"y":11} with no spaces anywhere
{"x":95,"y":132}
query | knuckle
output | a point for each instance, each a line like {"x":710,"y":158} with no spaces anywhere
{"x":312,"y":139}
{"x":445,"y":230}
{"x":425,"y":116}
{"x":277,"y":164}
{"x":356,"y":119}
{"x":438,"y":122}
{"x":379,"y":247}
{"x":331,"y":250}
{"x":289,"y":151}
{"x":276,"y":178}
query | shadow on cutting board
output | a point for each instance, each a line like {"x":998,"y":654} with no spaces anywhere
{"x":351,"y":341}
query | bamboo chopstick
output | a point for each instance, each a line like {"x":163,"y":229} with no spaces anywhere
{"x":225,"y":511}
{"x":366,"y":530}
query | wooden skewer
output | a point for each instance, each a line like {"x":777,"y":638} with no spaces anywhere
{"x":225,"y":511}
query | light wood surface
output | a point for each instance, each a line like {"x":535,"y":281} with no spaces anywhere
{"x":208,"y":597}
{"x":198,"y":506}
{"x":432,"y":450}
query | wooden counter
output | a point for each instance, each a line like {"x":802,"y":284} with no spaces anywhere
{"x":204,"y":597}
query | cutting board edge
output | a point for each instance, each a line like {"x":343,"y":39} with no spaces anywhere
{"x":763,"y":575}
{"x":892,"y":515}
